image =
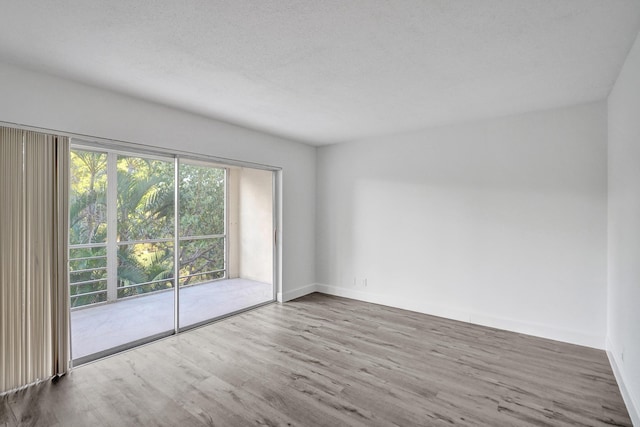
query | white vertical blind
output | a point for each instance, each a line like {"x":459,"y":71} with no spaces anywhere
{"x":34,"y":293}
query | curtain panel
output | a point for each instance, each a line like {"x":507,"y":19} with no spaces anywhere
{"x":34,"y":223}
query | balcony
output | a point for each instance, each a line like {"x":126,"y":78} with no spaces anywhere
{"x":98,"y":328}
{"x":110,"y":312}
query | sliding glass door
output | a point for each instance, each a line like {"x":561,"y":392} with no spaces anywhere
{"x":121,"y":248}
{"x":125,"y":271}
{"x":203,"y":240}
{"x":226,"y":232}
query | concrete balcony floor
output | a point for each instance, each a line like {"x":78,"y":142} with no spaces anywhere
{"x":95,"y":329}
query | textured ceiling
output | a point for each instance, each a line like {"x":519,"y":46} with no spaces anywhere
{"x":330,"y":70}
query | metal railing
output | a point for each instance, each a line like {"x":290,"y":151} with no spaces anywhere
{"x":91,"y":282}
{"x":87,"y":274}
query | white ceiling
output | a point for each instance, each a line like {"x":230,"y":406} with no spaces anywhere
{"x":325,"y":71}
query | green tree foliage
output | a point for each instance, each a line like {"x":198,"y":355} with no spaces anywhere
{"x":202,"y":193}
{"x":88,"y":224}
{"x":145,"y":211}
{"x":88,"y":205}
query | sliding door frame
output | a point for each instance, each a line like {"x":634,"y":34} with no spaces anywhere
{"x":156,"y":153}
{"x":275,"y":247}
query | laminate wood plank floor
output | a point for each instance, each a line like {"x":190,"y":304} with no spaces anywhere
{"x":329,"y":361}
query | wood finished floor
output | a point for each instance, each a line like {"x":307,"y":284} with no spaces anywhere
{"x":328,"y":361}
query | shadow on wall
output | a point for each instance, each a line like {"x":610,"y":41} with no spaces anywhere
{"x":503,"y":219}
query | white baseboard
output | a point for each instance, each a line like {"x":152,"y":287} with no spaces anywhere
{"x":403,"y":303}
{"x":538,"y":330}
{"x":629,"y":399}
{"x":542,"y":331}
{"x":296,"y":293}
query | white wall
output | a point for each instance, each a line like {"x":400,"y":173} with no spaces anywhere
{"x":499,"y":222}
{"x":256,"y":225}
{"x":624,"y":231}
{"x":35,"y":99}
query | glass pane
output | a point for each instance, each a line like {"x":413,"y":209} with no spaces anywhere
{"x":88,"y":275}
{"x":145,"y":199}
{"x":144,"y":207}
{"x":201,"y":260}
{"x":87,"y":198}
{"x":202,"y":192}
{"x":144,"y":268}
{"x":248,"y":273}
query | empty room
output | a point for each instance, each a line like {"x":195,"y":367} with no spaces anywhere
{"x":320,"y":213}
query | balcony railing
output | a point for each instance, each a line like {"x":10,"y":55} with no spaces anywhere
{"x":88,"y":273}
{"x":92,"y":282}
